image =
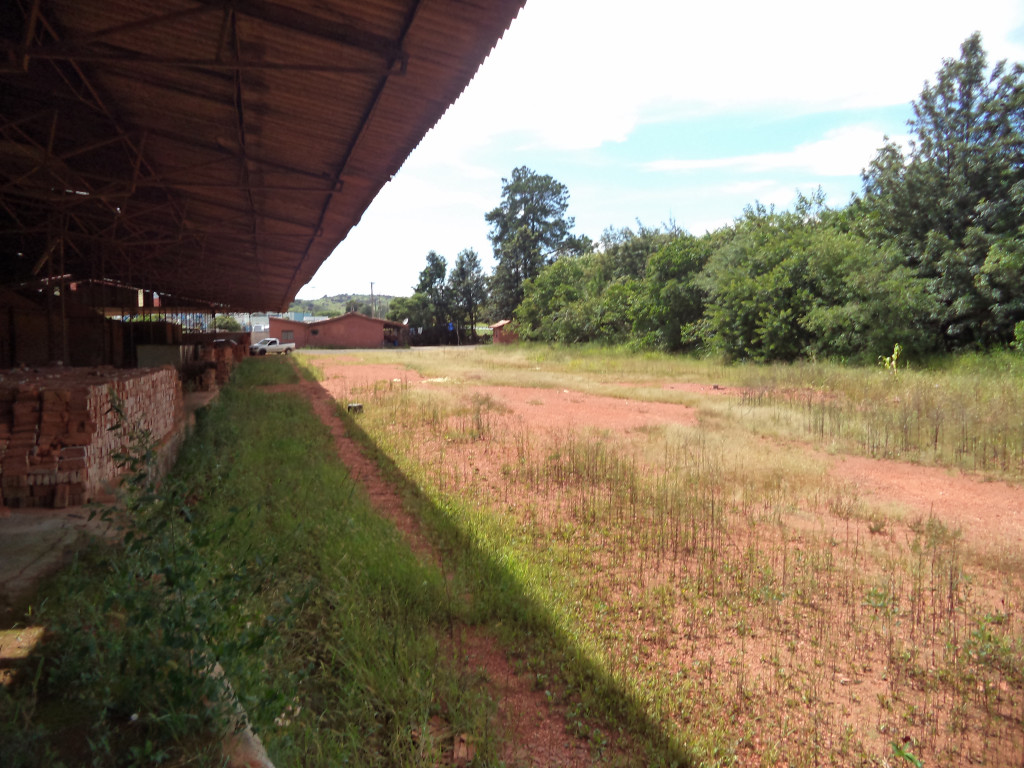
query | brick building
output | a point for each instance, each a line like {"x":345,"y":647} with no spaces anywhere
{"x":351,"y":330}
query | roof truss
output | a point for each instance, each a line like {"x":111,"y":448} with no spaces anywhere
{"x":215,"y":149}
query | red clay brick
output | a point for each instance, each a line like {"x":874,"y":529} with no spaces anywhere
{"x":69,"y":433}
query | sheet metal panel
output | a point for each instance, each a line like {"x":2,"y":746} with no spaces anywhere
{"x":221,"y":155}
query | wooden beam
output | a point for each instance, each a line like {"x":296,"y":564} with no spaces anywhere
{"x":51,"y":53}
{"x":316,"y":26}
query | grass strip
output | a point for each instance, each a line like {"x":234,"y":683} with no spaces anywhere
{"x":259,"y":553}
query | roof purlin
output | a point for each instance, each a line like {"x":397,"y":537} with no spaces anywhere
{"x":179,"y":139}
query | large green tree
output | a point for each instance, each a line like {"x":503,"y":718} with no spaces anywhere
{"x":429,"y":307}
{"x":598,"y":296}
{"x":954,"y":204}
{"x":413,"y":310}
{"x":626,"y":252}
{"x":571,"y":301}
{"x":361,"y":305}
{"x":467,"y":290}
{"x":226,"y":323}
{"x":529,"y":229}
{"x":434,"y":286}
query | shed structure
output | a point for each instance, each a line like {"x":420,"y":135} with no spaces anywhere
{"x":502,"y":334}
{"x":214,"y":150}
{"x":197,"y":154}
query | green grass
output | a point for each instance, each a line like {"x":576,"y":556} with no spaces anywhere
{"x":509,"y":596}
{"x":965,"y":412}
{"x":266,"y":371}
{"x":671,"y":593}
{"x":362,"y":657}
{"x":260,"y":552}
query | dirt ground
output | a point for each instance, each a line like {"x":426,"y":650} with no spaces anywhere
{"x":539,"y":736}
{"x":989,"y":514}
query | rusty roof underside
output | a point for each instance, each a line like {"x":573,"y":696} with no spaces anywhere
{"x":216,"y":150}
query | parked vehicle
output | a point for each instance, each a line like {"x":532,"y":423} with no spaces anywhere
{"x":272,"y":347}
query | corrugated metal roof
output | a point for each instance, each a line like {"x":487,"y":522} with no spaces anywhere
{"x":215,"y":149}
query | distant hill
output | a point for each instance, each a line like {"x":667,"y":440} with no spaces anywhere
{"x":333,"y":306}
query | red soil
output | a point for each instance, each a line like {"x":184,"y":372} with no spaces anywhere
{"x":988,"y":513}
{"x":561,"y":409}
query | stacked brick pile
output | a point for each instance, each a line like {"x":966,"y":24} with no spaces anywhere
{"x":57,"y":438}
{"x":225,"y":355}
{"x":208,"y":357}
{"x":218,"y":360}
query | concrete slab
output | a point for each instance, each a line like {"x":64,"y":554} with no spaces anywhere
{"x":196,"y":400}
{"x":35,"y":543}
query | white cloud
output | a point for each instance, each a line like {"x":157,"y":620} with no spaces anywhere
{"x":575,"y":74}
{"x":708,"y":225}
{"x":584,"y":74}
{"x":751,"y":190}
{"x":842,"y":152}
{"x":422,"y":209}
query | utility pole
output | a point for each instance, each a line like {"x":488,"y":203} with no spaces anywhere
{"x":373,"y":304}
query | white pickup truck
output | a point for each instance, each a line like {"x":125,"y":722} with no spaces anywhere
{"x":272,"y":347}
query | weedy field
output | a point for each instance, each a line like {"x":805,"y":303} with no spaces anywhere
{"x":261,"y":554}
{"x":802,"y":565}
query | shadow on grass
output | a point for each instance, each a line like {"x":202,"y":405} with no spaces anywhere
{"x":274,"y":563}
{"x":596,"y":705}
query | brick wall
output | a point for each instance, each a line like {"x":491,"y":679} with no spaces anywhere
{"x":28,"y":336}
{"x":57,"y":442}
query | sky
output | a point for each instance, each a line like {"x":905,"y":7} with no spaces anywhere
{"x":661,"y":111}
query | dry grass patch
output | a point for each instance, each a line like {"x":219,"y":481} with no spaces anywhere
{"x":768,"y":612}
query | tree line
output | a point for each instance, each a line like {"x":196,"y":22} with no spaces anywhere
{"x":929,"y":255}
{"x":335,"y":306}
{"x":529,"y":229}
